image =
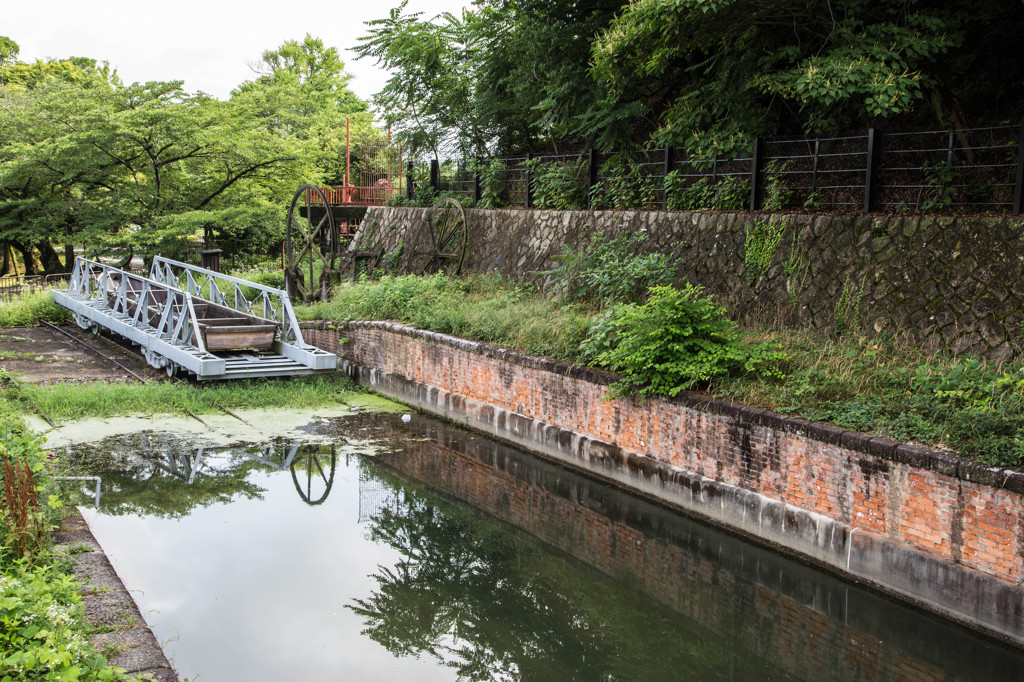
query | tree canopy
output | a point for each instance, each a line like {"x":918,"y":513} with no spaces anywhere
{"x":519,"y":75}
{"x":88,"y":160}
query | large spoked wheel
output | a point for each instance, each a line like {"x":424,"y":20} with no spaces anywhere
{"x":311,"y":242}
{"x":441,"y":240}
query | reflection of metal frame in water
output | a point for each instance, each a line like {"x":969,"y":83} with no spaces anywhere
{"x":96,"y":494}
{"x":169,"y":456}
{"x":375,"y":496}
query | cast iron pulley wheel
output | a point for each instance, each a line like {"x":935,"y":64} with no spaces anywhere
{"x":311,"y":242}
{"x":441,"y":240}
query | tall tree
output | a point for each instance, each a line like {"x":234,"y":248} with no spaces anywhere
{"x":302,"y":94}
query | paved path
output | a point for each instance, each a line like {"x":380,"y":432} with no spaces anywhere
{"x":124,"y":637}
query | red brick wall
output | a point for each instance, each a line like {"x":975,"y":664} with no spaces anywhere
{"x":904,"y":496}
{"x":829,"y":640}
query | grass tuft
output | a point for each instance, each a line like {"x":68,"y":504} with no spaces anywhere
{"x":68,"y":402}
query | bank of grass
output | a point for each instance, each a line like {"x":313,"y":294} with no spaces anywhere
{"x":887,"y":388}
{"x":482,"y":307}
{"x":26,"y":310}
{"x":68,"y":402}
{"x":878,"y":386}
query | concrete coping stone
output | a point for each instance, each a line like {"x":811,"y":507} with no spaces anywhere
{"x":932,"y":459}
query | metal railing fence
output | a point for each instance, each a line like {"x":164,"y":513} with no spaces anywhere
{"x":976,"y":170}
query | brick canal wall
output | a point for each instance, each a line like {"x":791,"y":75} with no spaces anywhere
{"x":798,"y":620}
{"x":939,"y":281}
{"x":942,"y":532}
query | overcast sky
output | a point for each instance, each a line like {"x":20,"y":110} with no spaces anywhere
{"x":208,"y":44}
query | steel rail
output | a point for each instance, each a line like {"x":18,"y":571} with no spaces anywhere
{"x":94,"y":350}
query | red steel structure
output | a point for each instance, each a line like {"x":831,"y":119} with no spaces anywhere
{"x":379,"y":173}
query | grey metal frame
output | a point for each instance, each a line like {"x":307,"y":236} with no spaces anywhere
{"x":160,"y":316}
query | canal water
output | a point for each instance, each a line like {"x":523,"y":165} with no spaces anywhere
{"x":363,"y":547}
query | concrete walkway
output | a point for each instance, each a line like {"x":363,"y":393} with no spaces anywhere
{"x":123,"y":636}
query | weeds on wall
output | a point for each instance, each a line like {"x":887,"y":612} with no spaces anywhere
{"x":760,"y":244}
{"x":611,"y":270}
{"x":847,"y":311}
{"x":796,"y":270}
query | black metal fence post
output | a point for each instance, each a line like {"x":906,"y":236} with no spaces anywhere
{"x":410,"y":183}
{"x":1018,"y":189}
{"x":529,"y":183}
{"x":755,"y":175}
{"x":669,"y":162}
{"x":435,"y":175}
{"x":477,"y":193}
{"x":591,"y":176}
{"x":874,"y":158}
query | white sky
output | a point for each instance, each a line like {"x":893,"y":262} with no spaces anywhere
{"x":207,"y":44}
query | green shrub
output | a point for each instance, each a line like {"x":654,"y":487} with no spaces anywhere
{"x":557,"y":185}
{"x":610,"y":270}
{"x":623,"y":184}
{"x":493,"y":188}
{"x":675,"y":341}
{"x":26,"y":310}
{"x":728,"y":194}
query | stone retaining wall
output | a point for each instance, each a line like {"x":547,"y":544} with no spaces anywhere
{"x":940,"y":281}
{"x":936,"y":530}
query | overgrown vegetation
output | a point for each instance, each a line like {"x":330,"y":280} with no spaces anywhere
{"x":483,"y":307}
{"x":26,"y":310}
{"x":680,"y":340}
{"x":880,"y":386}
{"x":67,"y":402}
{"x":675,"y":341}
{"x":43,"y":631}
{"x":611,"y":270}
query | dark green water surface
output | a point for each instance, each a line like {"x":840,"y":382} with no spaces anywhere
{"x":378,"y":550}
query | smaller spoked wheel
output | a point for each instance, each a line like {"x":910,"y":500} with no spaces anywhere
{"x":441,"y":240}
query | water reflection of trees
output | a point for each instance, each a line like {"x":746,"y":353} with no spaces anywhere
{"x":494,"y":605}
{"x":163,"y":475}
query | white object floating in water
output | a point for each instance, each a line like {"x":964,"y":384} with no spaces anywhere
{"x":406,"y":418}
{"x":354,"y":408}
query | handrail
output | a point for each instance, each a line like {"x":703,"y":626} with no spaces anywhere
{"x":270,"y":303}
{"x":173,"y":317}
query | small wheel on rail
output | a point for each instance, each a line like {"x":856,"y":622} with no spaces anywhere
{"x":155,"y":360}
{"x":441,"y":240}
